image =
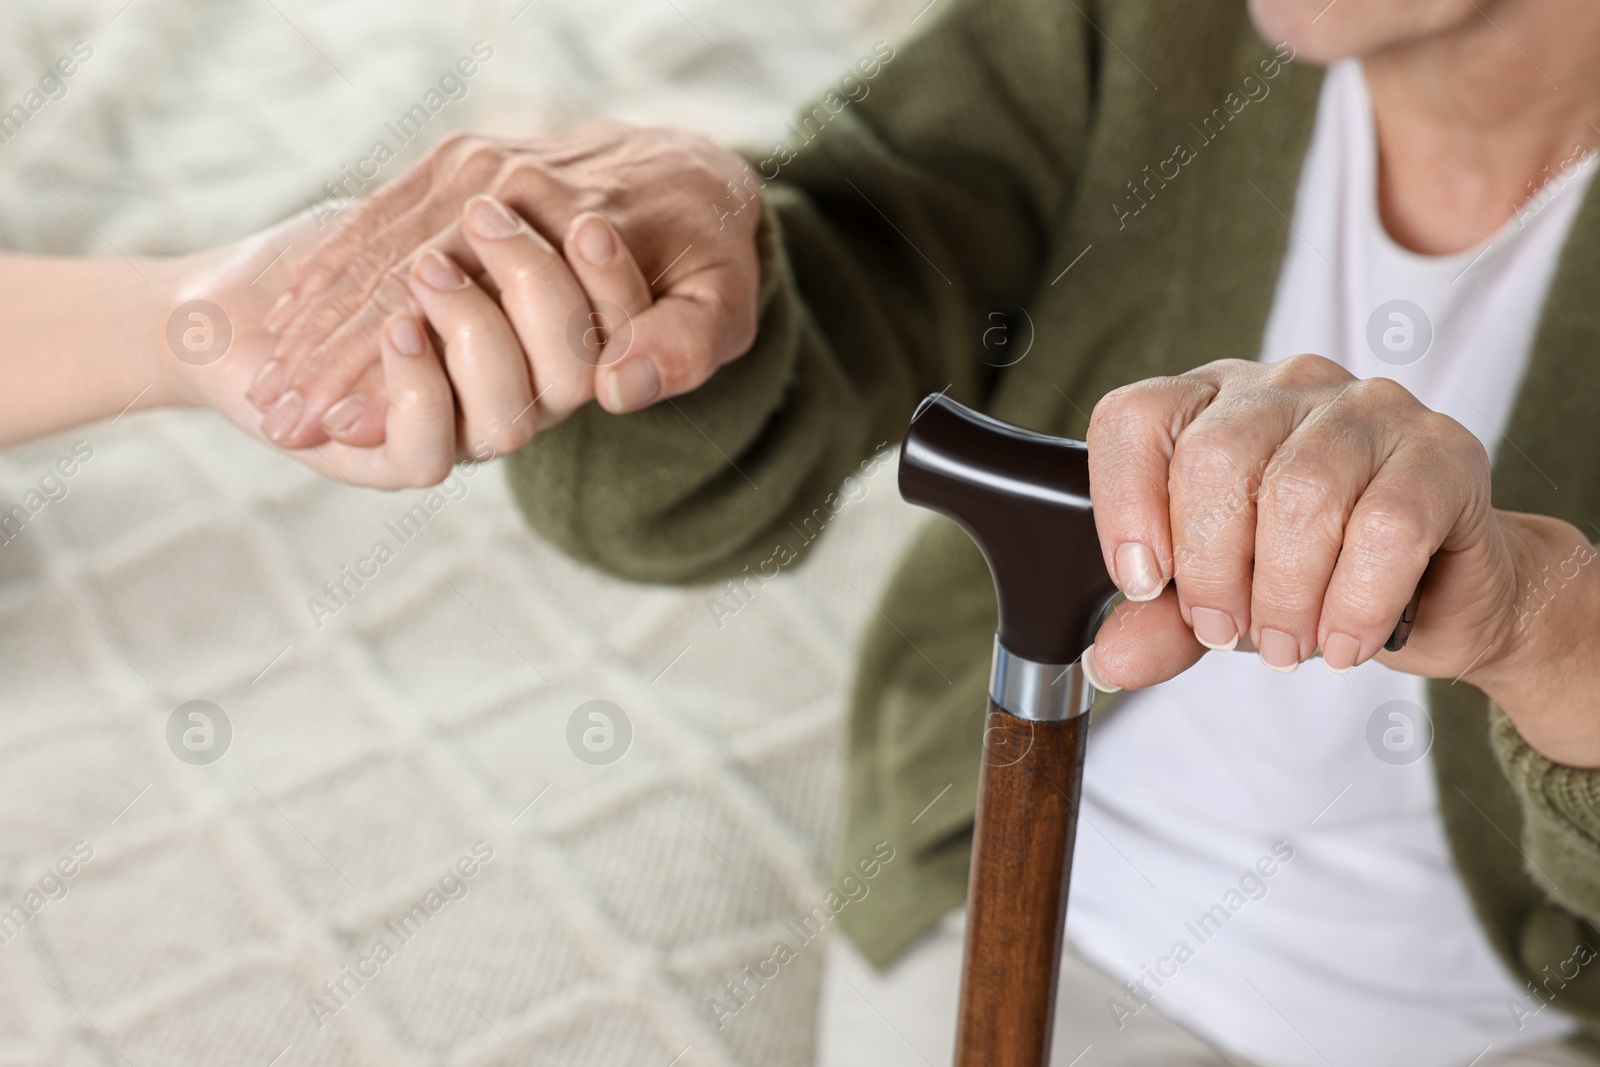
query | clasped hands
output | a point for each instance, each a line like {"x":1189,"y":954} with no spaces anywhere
{"x":484,"y":295}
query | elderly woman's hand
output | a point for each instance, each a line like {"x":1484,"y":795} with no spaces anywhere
{"x":654,"y":234}
{"x":1291,"y":507}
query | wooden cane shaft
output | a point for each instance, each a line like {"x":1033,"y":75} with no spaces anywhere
{"x":1017,"y":896}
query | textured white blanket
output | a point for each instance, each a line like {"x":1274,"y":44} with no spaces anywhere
{"x":412,"y":850}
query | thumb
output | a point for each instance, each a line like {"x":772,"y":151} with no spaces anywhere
{"x":1141,"y":644}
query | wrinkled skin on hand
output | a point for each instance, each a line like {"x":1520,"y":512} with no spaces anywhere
{"x":682,"y":292}
{"x":1297,"y":509}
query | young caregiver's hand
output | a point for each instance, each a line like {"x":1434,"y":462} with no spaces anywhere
{"x":422,"y":439}
{"x":1293,"y":507}
{"x":624,"y":260}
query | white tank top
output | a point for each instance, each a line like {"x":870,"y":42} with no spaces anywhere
{"x":1360,"y":948}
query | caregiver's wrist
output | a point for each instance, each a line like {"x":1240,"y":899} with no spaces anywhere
{"x":173,"y":282}
{"x":116,"y":322}
{"x":1543,"y":670}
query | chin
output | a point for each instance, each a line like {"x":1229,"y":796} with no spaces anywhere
{"x":1320,"y":32}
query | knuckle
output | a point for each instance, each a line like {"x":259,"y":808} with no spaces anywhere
{"x":516,"y":175}
{"x":1456,"y":441}
{"x":681,"y":370}
{"x":1442,"y":429}
{"x":1382,"y":531}
{"x":451,"y":145}
{"x":1362,"y":609}
{"x":1451,"y":457}
{"x":475,"y":162}
{"x":1132,"y":410}
{"x":1281,"y":602}
{"x":1308,"y":369}
{"x":1382,"y":396}
{"x":1229,"y":368}
{"x":1210,"y":458}
{"x":1197,"y":534}
{"x":1152,"y":408}
{"x":1209,"y":579}
{"x":1296,"y":495}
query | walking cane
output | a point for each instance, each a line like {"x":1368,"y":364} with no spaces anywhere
{"x":1024,"y":498}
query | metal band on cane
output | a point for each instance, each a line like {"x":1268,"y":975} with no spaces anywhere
{"x":1040,"y":692}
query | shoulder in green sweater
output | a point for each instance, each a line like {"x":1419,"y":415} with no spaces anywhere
{"x":1130,"y":201}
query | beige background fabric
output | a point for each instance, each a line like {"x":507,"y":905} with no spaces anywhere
{"x":431,"y":712}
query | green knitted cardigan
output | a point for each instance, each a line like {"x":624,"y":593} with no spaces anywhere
{"x":1113,"y":185}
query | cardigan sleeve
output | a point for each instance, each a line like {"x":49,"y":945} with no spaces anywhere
{"x":884,"y":239}
{"x":1561,"y":819}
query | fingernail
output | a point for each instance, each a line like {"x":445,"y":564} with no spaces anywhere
{"x":440,"y":272}
{"x":1089,"y":673}
{"x":267,"y":384}
{"x":595,"y":242}
{"x":1339,"y":653}
{"x":1139,"y":576}
{"x":633,"y":385}
{"x":1214,"y":629}
{"x":489,"y":219}
{"x":344,"y":414}
{"x":406,"y":336}
{"x":278,"y":315}
{"x":283,"y":416}
{"x":1279,"y":650}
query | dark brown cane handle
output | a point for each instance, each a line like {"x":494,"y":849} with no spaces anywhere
{"x":1023,"y":497}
